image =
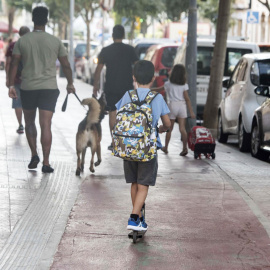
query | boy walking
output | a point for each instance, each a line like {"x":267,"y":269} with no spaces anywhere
{"x":140,"y":174}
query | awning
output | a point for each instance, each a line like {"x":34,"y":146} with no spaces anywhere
{"x":4,"y":28}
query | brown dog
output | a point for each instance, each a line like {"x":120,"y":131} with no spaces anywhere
{"x":89,"y":132}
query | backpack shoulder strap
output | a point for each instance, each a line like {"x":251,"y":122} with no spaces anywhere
{"x":150,"y":96}
{"x":133,"y":96}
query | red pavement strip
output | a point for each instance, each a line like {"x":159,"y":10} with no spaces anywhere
{"x":196,"y":221}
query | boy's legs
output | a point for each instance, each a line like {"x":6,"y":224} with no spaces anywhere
{"x":138,"y":197}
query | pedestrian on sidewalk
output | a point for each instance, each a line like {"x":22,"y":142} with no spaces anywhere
{"x":16,"y":103}
{"x":141,"y":175}
{"x":118,"y":59}
{"x":178,"y":101}
{"x":39,"y":51}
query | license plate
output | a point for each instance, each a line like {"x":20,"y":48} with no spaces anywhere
{"x":202,"y":89}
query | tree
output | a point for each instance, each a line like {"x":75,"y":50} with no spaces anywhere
{"x":59,"y":14}
{"x":265,"y":3}
{"x":87,"y":8}
{"x":217,"y":67}
{"x":209,"y":10}
{"x":131,"y":9}
{"x":174,"y":8}
{"x":13,"y":5}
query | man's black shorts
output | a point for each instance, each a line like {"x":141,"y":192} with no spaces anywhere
{"x":44,"y":99}
{"x":112,"y":99}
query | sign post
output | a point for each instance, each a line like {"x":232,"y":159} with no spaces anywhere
{"x":71,"y":52}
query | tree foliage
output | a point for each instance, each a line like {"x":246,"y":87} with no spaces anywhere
{"x":174,"y":8}
{"x":87,"y":8}
{"x":131,"y":9}
{"x":21,"y":4}
{"x":209,"y":10}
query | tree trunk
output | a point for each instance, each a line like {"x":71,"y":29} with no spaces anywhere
{"x":88,"y":38}
{"x":131,"y":37}
{"x":62,"y":29}
{"x":217,"y":66}
{"x":11,"y":12}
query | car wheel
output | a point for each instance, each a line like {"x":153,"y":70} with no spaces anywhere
{"x":255,"y":145}
{"x":243,"y":138}
{"x":221,"y":136}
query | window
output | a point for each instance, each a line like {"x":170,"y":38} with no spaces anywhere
{"x":242,"y":71}
{"x":260,"y":72}
{"x":168,"y":56}
{"x":81,"y":49}
{"x":232,"y":57}
{"x":235,"y":74}
{"x":150,"y":54}
{"x":204,"y":58}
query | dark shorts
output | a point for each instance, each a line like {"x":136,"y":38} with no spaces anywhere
{"x":143,"y":173}
{"x":112,"y":99}
{"x":42,"y":99}
{"x":16,"y":103}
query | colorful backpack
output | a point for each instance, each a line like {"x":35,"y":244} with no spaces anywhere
{"x":134,"y":137}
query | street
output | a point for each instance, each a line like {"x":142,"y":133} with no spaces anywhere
{"x":202,"y":214}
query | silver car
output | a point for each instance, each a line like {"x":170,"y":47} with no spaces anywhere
{"x":236,"y":110}
{"x":260,"y":131}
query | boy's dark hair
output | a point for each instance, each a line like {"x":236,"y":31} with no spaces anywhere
{"x":40,"y":15}
{"x":144,"y":72}
{"x":118,"y":32}
{"x":178,"y":75}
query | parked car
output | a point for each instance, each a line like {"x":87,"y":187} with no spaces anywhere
{"x":80,"y":58}
{"x":162,"y":56}
{"x":237,"y":108}
{"x":260,"y":131}
{"x":141,"y":46}
{"x":264,"y":47}
{"x":205,"y":48}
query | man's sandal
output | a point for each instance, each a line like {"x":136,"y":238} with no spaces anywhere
{"x":34,"y":162}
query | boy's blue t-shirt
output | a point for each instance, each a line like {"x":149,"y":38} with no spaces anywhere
{"x":159,"y":107}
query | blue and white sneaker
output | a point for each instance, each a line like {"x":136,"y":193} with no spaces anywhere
{"x":136,"y":225}
{"x":144,"y":225}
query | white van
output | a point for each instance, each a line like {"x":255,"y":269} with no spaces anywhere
{"x":205,"y":48}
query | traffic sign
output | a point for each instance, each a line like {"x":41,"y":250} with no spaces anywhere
{"x":253,"y":17}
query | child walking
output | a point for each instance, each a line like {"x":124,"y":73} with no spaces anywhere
{"x":178,"y":101}
{"x":141,"y":175}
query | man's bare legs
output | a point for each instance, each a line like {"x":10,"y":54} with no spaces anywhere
{"x":45,"y":120}
{"x":18,"y":112}
{"x":112,"y":120}
{"x":31,"y":130}
{"x":138,"y":197}
{"x":168,"y":137}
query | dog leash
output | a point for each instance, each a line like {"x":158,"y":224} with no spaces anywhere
{"x":64,"y":106}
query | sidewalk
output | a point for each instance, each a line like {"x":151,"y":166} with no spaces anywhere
{"x":202,"y":214}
